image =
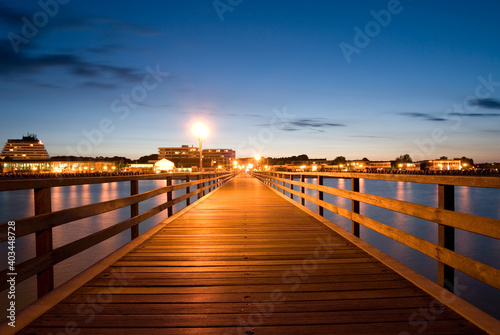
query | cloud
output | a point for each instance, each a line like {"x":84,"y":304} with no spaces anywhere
{"x":476,"y":114}
{"x":107,"y":48}
{"x":486,"y":103}
{"x":318,"y":125}
{"x":103,"y":24}
{"x":425,"y":116}
{"x":11,"y":16}
{"x":23,"y":64}
{"x":99,"y":85}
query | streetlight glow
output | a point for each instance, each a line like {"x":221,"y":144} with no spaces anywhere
{"x":257,"y":157}
{"x":200,"y":130}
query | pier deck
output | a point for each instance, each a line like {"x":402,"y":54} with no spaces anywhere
{"x":247,"y":261}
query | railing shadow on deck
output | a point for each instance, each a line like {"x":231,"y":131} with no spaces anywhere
{"x":444,"y":215}
{"x":41,"y":224}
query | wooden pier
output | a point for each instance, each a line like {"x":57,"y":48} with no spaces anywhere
{"x":245,"y":260}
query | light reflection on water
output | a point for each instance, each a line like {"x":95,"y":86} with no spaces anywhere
{"x":19,"y":204}
{"x":484,"y":202}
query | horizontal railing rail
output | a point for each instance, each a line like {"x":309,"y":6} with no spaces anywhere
{"x":44,"y":220}
{"x":444,"y":215}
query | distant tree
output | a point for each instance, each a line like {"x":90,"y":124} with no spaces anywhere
{"x":302,"y":157}
{"x":468,"y":161}
{"x":339,"y":160}
{"x":404,"y":159}
{"x":145,"y":159}
{"x":365,"y":159}
{"x":443,"y":157}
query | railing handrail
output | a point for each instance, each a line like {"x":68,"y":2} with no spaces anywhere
{"x":445,"y":217}
{"x":32,"y":183}
{"x":43,"y":223}
{"x":455,"y":180}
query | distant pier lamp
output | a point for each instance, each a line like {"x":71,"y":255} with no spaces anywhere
{"x":257,"y":160}
{"x":200,"y":130}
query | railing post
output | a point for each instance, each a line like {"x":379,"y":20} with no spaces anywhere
{"x":198,"y":186}
{"x":446,"y":236}
{"x":320,"y":195}
{"x":43,"y":241}
{"x":203,"y":185}
{"x":188,"y":190}
{"x":291,"y":186}
{"x":169,"y":196}
{"x":302,"y":190}
{"x":283,"y":183}
{"x":134,"y":208}
{"x":355,"y":206}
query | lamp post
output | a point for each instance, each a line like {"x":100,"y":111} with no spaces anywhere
{"x":200,"y":130}
{"x":257,"y":161}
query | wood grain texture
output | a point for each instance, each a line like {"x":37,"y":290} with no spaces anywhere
{"x":245,"y":261}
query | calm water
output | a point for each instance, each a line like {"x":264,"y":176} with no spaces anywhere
{"x":484,"y":202}
{"x":19,"y":204}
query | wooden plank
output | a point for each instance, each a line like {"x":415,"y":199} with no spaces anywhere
{"x":473,"y":268}
{"x":473,"y":223}
{"x":26,"y":184}
{"x":196,"y":278}
{"x":446,"y":236}
{"x":134,"y":208}
{"x":43,"y":241}
{"x":472,"y":181}
{"x":435,"y":327}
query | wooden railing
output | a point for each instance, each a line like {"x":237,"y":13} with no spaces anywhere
{"x":42,"y":265}
{"x":444,"y":215}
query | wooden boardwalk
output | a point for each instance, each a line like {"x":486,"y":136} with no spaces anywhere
{"x":246,"y":261}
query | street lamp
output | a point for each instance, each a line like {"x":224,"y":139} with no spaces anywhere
{"x":200,"y":130}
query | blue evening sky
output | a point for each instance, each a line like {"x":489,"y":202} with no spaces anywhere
{"x":373,"y":79}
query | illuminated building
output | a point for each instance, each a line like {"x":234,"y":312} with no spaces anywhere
{"x":445,"y":164}
{"x":28,"y":148}
{"x":187,"y":156}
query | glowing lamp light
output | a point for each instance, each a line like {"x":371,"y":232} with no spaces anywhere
{"x":200,"y":130}
{"x":257,"y":157}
